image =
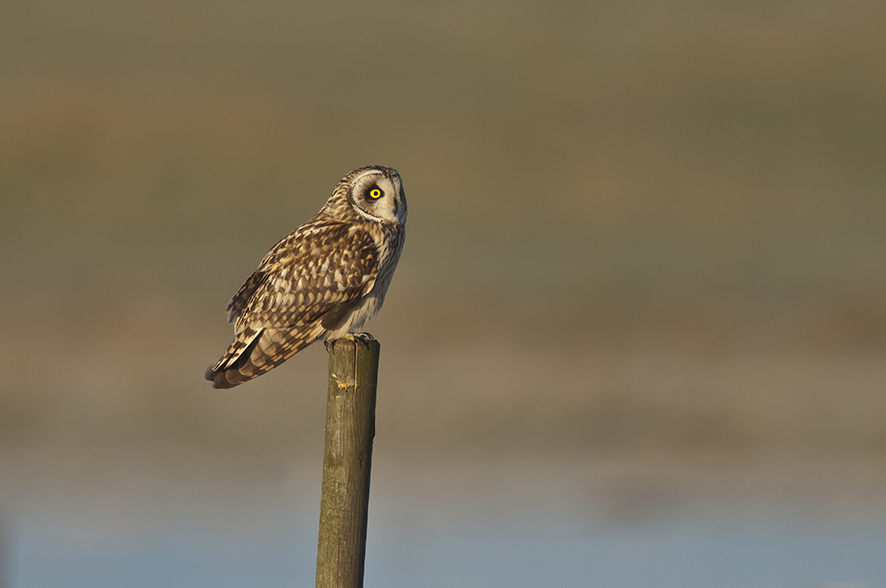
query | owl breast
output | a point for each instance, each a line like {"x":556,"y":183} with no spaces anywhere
{"x":390,"y":246}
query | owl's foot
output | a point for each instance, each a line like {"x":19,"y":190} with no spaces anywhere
{"x":356,"y":337}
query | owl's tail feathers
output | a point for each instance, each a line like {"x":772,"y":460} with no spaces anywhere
{"x":255,"y":352}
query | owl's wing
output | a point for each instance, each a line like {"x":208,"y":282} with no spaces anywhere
{"x":308,"y":274}
{"x":303,"y":287}
{"x":238,"y":302}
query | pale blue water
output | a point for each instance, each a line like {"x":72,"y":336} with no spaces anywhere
{"x":746,"y":553}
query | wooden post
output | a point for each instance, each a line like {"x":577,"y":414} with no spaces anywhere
{"x":347,"y":459}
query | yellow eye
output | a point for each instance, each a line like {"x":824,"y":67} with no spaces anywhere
{"x":376,"y":193}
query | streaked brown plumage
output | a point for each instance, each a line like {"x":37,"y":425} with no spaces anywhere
{"x":322,"y":281}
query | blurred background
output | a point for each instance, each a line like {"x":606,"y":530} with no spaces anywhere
{"x":636,"y":336}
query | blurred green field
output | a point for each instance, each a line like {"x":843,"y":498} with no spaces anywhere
{"x":646,"y":246}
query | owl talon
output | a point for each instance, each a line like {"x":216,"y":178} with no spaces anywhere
{"x":355,"y":337}
{"x":362,"y":337}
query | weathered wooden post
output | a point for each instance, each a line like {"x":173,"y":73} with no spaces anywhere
{"x":347,"y":460}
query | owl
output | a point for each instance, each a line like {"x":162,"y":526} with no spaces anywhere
{"x":321,"y":281}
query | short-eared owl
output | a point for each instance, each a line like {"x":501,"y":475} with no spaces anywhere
{"x":321,"y":281}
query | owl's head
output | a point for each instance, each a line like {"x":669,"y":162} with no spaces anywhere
{"x":375,"y":193}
